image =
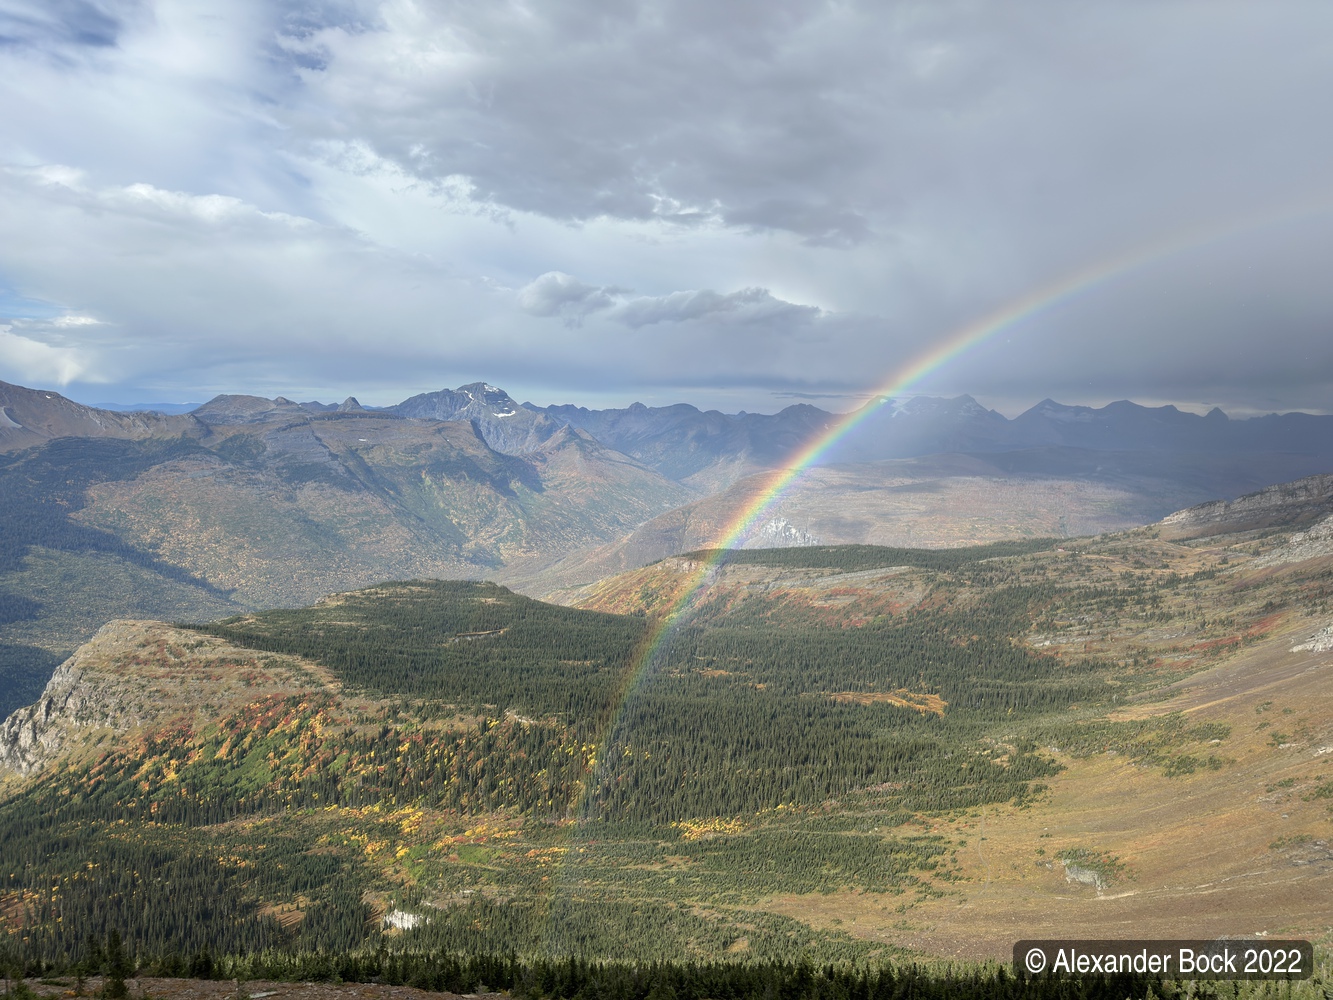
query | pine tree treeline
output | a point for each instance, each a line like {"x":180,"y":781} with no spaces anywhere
{"x":573,"y":978}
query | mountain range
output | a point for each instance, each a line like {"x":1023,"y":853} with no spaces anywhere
{"x":709,"y":448}
{"x":247,"y":502}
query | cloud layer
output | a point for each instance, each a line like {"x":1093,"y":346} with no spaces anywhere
{"x":558,"y":294}
{"x":605,"y":201}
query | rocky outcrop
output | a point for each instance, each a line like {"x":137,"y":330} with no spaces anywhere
{"x":1078,"y":875}
{"x":1289,"y":505}
{"x":779,"y":533}
{"x":1320,"y":642}
{"x":1312,"y":544}
{"x":78,"y":696}
{"x":32,"y":735}
{"x":134,"y":674}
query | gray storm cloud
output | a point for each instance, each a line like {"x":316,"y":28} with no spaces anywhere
{"x":557,"y":294}
{"x":562,"y":295}
{"x":339,"y":190}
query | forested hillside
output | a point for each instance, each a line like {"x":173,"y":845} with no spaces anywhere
{"x":431,"y":765}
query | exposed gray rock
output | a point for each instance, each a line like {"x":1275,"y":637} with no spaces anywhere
{"x":1294,"y":504}
{"x":779,"y":533}
{"x":1320,"y":642}
{"x":509,"y":427}
{"x":1083,"y":876}
{"x":1312,"y":544}
{"x":76,"y":697}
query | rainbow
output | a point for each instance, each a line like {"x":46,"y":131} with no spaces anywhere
{"x":778,"y":482}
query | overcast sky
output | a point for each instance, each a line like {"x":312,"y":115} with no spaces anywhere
{"x":738,"y":204}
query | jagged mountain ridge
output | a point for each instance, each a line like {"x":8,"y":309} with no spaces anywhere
{"x":280,"y":498}
{"x":681,"y":441}
{"x":704,"y":448}
{"x":509,"y":427}
{"x":711,"y":449}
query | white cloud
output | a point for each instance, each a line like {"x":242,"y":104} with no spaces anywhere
{"x":25,"y":360}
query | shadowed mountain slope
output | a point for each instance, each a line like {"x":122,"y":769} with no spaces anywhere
{"x":30,"y":417}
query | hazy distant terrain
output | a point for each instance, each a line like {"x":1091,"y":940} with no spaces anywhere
{"x":938,"y":501}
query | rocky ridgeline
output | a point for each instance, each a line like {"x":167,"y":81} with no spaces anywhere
{"x":78,"y":696}
{"x":138,"y":673}
{"x":31,"y":417}
{"x":1296,"y":504}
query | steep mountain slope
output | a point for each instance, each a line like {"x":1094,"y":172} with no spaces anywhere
{"x":707,"y":450}
{"x":503,"y":424}
{"x":31,"y":417}
{"x":300,"y":505}
{"x":1296,"y":504}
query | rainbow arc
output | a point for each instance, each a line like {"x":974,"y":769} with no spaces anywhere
{"x":777,"y":483}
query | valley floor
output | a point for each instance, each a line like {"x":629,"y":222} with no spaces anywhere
{"x":1243,"y":851}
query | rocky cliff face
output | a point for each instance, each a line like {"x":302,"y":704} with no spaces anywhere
{"x":1292,"y":505}
{"x":34,"y":734}
{"x":133,"y":674}
{"x":78,"y":696}
{"x":509,"y":427}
